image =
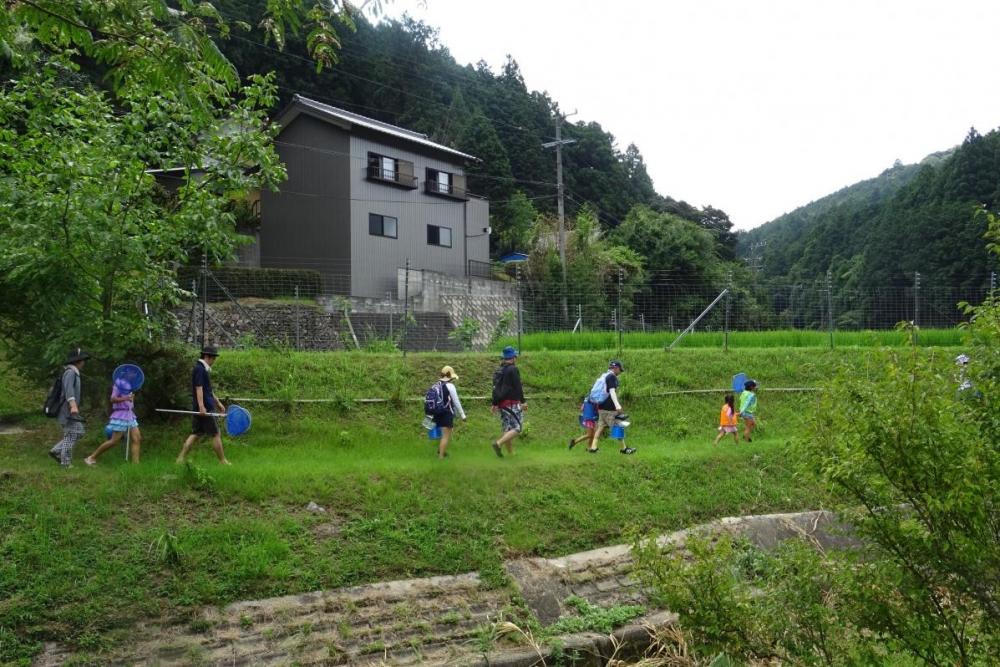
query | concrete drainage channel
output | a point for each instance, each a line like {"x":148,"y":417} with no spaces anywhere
{"x":448,"y":620}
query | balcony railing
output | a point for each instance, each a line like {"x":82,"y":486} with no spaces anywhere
{"x":445,"y":190}
{"x":391,"y":177}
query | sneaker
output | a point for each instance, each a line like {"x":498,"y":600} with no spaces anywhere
{"x":572,"y":443}
{"x":627,"y":450}
{"x":496,"y":449}
{"x":593,"y":451}
{"x":55,"y":457}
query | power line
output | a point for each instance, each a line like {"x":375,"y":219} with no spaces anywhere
{"x":509,"y":179}
{"x":373,"y":201}
{"x":371,"y":81}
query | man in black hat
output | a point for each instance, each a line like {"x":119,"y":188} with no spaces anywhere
{"x":69,"y":411}
{"x":203,"y":402}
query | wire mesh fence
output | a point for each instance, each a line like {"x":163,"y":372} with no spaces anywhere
{"x":425,"y":311}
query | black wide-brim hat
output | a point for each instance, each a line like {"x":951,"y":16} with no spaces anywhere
{"x":75,"y":355}
{"x":209,"y":351}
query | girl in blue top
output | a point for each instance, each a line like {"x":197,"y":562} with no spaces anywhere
{"x":748,"y":406}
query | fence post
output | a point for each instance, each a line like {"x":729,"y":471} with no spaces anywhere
{"x":406,"y":306}
{"x":579,"y":315}
{"x":388,"y":302}
{"x":725,"y":336}
{"x":829,"y":303}
{"x":520,"y":320}
{"x":993,"y":280}
{"x":297,"y":339}
{"x":916,"y":304}
{"x":192,"y":335}
{"x":204,"y":299}
{"x":618,"y":319}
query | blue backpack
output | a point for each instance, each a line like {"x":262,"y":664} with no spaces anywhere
{"x":437,"y":399}
{"x":599,"y":392}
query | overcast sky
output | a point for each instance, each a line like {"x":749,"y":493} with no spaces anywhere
{"x":754,"y":107}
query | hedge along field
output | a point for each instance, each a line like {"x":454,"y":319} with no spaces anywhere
{"x":87,"y":552}
{"x":608,"y":340}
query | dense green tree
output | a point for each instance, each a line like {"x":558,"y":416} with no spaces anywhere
{"x":87,"y":234}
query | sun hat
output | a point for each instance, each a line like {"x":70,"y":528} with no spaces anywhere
{"x":962,"y":359}
{"x":509,"y":352}
{"x":209,"y":351}
{"x":448,"y":373}
{"x":616,"y":364}
{"x":75,"y":355}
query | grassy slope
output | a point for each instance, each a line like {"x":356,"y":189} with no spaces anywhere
{"x":85,"y":552}
{"x":608,"y":340}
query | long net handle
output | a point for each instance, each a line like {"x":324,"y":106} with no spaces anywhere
{"x":192,"y":412}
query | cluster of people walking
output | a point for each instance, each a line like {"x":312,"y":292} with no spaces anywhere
{"x":65,"y":403}
{"x":601,"y":409}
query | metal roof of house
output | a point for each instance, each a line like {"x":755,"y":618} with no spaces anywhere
{"x":348,"y":119}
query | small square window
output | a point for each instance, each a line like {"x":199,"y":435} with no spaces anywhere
{"x":439,"y":236}
{"x":382,"y":225}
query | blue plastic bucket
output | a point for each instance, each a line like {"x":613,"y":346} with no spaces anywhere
{"x":108,"y":431}
{"x":589,"y":411}
{"x":618,"y":432}
{"x":434,"y":433}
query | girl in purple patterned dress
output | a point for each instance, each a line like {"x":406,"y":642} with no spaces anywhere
{"x":122,"y":421}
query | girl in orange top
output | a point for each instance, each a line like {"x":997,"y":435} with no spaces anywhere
{"x":727,"y":420}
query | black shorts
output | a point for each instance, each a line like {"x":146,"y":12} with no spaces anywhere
{"x":444,"y":419}
{"x":201,"y":425}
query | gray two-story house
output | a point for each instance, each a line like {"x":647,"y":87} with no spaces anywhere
{"x":363,"y":197}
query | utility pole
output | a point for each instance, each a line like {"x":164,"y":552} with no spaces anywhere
{"x":558,"y":144}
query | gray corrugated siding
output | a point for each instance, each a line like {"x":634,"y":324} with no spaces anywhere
{"x":307,"y":223}
{"x":375,"y":259}
{"x":319,"y":219}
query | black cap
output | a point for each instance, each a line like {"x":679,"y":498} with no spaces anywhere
{"x":209,"y":351}
{"x":75,"y":355}
{"x":616,"y":364}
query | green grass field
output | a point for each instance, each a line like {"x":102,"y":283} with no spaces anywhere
{"x":87,"y":552}
{"x":608,"y":340}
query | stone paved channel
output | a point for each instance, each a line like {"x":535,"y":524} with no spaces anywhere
{"x":446,"y":620}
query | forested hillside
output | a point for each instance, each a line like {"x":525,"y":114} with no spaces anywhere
{"x":397,"y":72}
{"x":877,"y":233}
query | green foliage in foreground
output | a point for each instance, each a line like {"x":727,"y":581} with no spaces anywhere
{"x":917,"y":460}
{"x":608,"y":340}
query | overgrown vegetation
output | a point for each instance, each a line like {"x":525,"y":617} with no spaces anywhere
{"x":632,"y":340}
{"x":915,"y":457}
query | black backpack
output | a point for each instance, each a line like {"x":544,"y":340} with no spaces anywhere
{"x":497,"y":381}
{"x":55,"y":398}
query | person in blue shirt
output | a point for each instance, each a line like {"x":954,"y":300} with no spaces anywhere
{"x":204,"y":402}
{"x":748,"y":408}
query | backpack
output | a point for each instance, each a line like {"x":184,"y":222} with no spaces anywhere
{"x":497,"y":381}
{"x":434,"y":400}
{"x":599,"y":392}
{"x":54,"y":400}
